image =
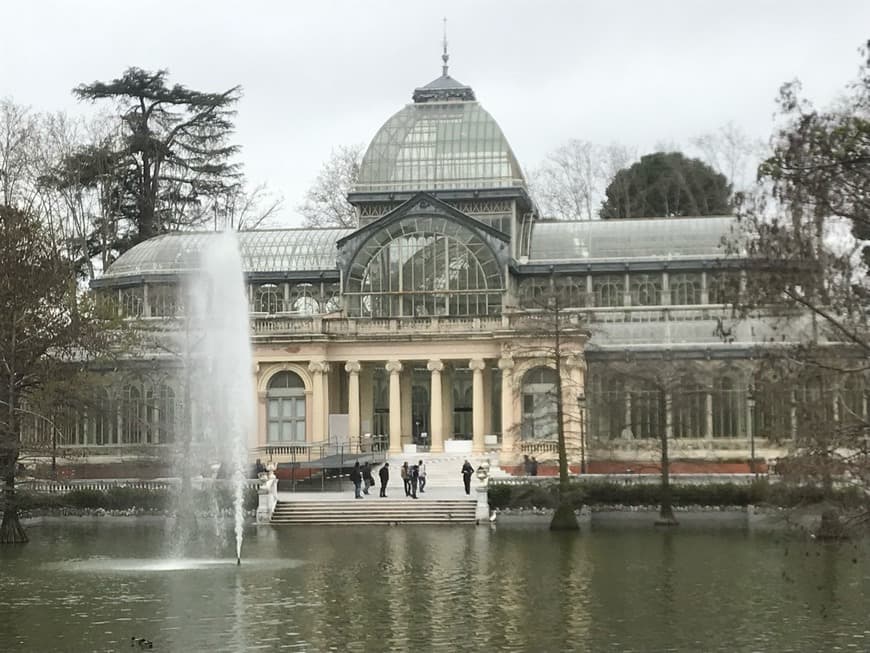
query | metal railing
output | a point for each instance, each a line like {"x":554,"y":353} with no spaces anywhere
{"x":324,"y":461}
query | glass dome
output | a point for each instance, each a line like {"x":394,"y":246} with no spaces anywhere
{"x":433,"y":145}
{"x":284,"y":250}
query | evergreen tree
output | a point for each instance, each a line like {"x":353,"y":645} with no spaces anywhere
{"x":175,"y":150}
{"x":665,"y":184}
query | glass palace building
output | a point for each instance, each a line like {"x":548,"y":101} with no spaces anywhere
{"x":426,"y":325}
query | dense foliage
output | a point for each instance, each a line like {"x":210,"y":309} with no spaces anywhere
{"x":665,"y":184}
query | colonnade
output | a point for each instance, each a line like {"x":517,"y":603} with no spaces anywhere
{"x":440,"y":426}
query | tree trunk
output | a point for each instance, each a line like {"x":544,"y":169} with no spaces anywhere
{"x":564,"y":518}
{"x":666,"y":508}
{"x":11,"y":531}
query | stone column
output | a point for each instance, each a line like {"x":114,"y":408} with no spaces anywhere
{"x":709,"y":412}
{"x":508,"y":433}
{"x":325,"y":382}
{"x":353,"y":415}
{"x":436,"y":409}
{"x":477,"y":366}
{"x":395,"y":368}
{"x":316,"y":369}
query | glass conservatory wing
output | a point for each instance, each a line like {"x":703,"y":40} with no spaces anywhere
{"x":439,"y":145}
{"x":277,"y":250}
{"x":644,"y":238}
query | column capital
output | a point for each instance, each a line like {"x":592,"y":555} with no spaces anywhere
{"x":506,"y":363}
{"x":393,"y":367}
{"x":318,"y":367}
{"x":477,"y":364}
{"x":574,"y":360}
{"x":435,"y":365}
{"x":352,"y":367}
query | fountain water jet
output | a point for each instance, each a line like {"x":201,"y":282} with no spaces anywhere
{"x":219,"y":371}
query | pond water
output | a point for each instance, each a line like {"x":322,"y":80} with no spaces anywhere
{"x":90,"y":585}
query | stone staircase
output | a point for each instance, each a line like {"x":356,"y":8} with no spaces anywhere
{"x":374,"y":510}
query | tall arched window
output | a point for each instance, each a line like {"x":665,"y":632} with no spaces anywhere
{"x":539,"y":404}
{"x":102,"y":419}
{"x":647,"y":411}
{"x":534,"y":291}
{"x":726,"y":408}
{"x":606,"y":397}
{"x":132,"y":415}
{"x":160,"y":426}
{"x":424,"y":266}
{"x":609,"y":290}
{"x":689,"y":409}
{"x":285,"y":406}
{"x":571,"y":291}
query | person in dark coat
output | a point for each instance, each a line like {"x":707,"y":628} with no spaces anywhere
{"x":385,"y":477}
{"x":467,"y":471}
{"x":356,"y":479}
{"x":414,"y":477}
{"x":406,"y":478}
{"x":527,"y":465}
{"x":368,"y":481}
{"x":533,"y":467}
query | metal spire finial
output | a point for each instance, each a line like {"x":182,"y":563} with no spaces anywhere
{"x":445,"y":56}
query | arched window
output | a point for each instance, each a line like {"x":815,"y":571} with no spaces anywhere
{"x":852,"y":400}
{"x":609,"y":290}
{"x":571,"y":291}
{"x":647,"y":411}
{"x":132,"y":415}
{"x":533,"y":292}
{"x":726,"y":408}
{"x":132,"y":301}
{"x":285,"y":406}
{"x":771,"y":417}
{"x":722,"y":287}
{"x":162,"y":300}
{"x":331,"y":298}
{"x":606,"y":397}
{"x":160,"y":426}
{"x":268,"y":298}
{"x":685,"y":288}
{"x":304,"y":299}
{"x":689,"y":409}
{"x":539,"y":404}
{"x":646,"y":289}
{"x":424,"y":266}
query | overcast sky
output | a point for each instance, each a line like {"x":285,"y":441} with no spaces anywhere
{"x":320,"y":74}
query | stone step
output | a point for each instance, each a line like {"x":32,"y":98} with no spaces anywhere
{"x":374,"y":512}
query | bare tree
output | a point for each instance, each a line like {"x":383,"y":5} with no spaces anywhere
{"x":570,"y":182}
{"x":731,"y":152}
{"x":326,"y":202}
{"x":551,"y":334}
{"x":243,"y":208}
{"x":19,"y":134}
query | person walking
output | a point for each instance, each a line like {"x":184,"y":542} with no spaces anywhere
{"x":414,"y":478}
{"x":421,"y":468}
{"x":405,"y":473}
{"x":356,"y":479}
{"x":467,"y":471}
{"x":368,"y":481}
{"x":385,"y":477}
{"x":533,"y":467}
{"x":527,"y":465}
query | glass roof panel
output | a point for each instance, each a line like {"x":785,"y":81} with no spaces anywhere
{"x":273,"y":250}
{"x":439,"y":145}
{"x":623,"y":239}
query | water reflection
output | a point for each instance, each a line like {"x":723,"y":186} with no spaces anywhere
{"x":442,"y":589}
